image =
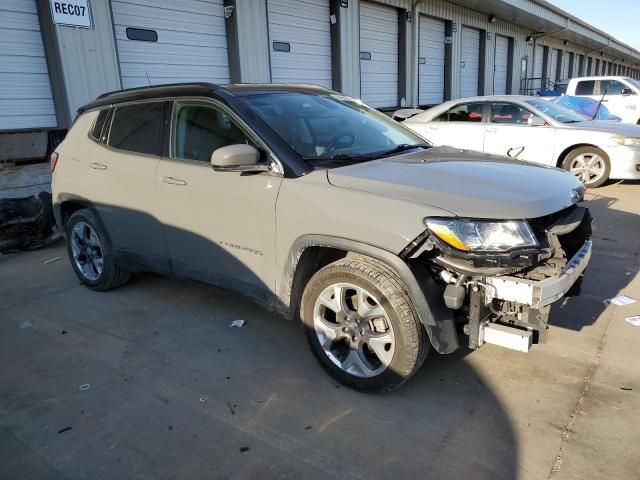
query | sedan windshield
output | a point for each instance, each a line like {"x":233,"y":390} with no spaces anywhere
{"x":558,"y":113}
{"x":332,"y":128}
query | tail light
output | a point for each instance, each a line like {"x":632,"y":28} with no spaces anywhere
{"x":53,"y":161}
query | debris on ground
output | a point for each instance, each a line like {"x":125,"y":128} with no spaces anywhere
{"x":65,"y":429}
{"x":26,"y":324}
{"x":237,"y":323}
{"x":244,"y":449}
{"x":203,"y":399}
{"x":84,"y":387}
{"x":626,"y":389}
{"x":233,"y":412}
{"x":634,"y":320}
{"x":27,"y":223}
{"x":621,"y":300}
{"x":51,"y":260}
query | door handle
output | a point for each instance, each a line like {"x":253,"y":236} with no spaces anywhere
{"x":491,"y":129}
{"x":98,"y":166}
{"x":173,"y":181}
{"x":513,"y":152}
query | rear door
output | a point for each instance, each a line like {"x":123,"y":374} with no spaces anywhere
{"x":508,"y":134}
{"x":219,"y":226}
{"x":123,"y":183}
{"x":461,"y":126}
{"x":624,"y":106}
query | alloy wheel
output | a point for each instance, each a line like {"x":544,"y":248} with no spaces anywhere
{"x":588,"y":167}
{"x":87,"y":251}
{"x":354,"y":330}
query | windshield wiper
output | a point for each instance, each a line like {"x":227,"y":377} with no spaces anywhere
{"x":340,"y":157}
{"x":398,"y":149}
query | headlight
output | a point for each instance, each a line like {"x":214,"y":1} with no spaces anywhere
{"x":627,"y":141}
{"x":482,"y":235}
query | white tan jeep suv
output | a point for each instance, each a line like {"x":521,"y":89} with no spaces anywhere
{"x":325,"y":210}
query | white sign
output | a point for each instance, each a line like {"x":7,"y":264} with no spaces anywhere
{"x":72,"y":13}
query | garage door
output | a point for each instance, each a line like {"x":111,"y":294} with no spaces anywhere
{"x":470,"y":64}
{"x":25,"y":90}
{"x":165,"y":41}
{"x":300,"y":41}
{"x":501,"y":67}
{"x":378,"y":55}
{"x":537,"y":67}
{"x":431,"y":61}
{"x":565,"y":66}
{"x":552,"y":68}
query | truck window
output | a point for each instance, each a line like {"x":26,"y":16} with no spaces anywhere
{"x":585,"y":87}
{"x":612,"y":87}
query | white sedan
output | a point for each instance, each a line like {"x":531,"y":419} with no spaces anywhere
{"x":533,"y":129}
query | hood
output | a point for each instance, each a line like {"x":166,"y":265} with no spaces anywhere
{"x":615,"y":128}
{"x":467,"y":184}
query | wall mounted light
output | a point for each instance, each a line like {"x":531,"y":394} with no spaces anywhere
{"x":492,"y":19}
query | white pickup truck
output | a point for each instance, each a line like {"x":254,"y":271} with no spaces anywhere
{"x":621,"y":94}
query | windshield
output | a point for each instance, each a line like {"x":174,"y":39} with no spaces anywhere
{"x":633,"y":82}
{"x":331,"y":128}
{"x":558,"y":113}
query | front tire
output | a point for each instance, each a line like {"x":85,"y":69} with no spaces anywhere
{"x":90,"y":254}
{"x":591,"y":165}
{"x":361,"y":325}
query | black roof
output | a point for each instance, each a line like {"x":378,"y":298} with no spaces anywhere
{"x":196,"y":89}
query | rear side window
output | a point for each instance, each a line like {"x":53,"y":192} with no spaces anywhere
{"x":509,"y":113}
{"x":137,"y":128}
{"x":466,"y":112}
{"x":586,"y":87}
{"x":96,"y":132}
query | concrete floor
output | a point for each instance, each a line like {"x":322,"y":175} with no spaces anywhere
{"x":175,"y":393}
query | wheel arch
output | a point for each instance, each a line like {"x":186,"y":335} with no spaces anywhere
{"x":69,"y":204}
{"x":570,"y":149}
{"x":310,"y":253}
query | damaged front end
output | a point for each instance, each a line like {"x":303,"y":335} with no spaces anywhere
{"x":500,"y":278}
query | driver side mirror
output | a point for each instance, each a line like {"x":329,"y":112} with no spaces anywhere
{"x":627,"y":91}
{"x":536,"y":121}
{"x":238,"y":158}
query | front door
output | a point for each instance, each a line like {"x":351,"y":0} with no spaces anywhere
{"x":219,"y":226}
{"x":508,"y":134}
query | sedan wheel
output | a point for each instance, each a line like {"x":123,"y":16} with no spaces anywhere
{"x":590,"y":165}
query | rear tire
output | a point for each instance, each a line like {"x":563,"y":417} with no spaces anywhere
{"x":589,"y":164}
{"x":90,"y":254}
{"x":361,"y":325}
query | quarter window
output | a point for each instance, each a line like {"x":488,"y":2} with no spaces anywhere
{"x":586,"y":87}
{"x":137,"y":128}
{"x":200,"y":129}
{"x":96,"y":132}
{"x":466,"y":112}
{"x":509,"y":113}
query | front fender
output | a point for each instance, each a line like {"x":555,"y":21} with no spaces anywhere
{"x":426,"y":298}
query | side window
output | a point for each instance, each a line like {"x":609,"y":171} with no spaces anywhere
{"x":585,"y":87}
{"x":137,"y":127}
{"x":613,"y":87}
{"x":96,"y":132}
{"x":509,"y":113}
{"x":199,"y":129}
{"x":466,"y":112}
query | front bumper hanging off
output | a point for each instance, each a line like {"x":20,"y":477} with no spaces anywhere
{"x":541,"y":293}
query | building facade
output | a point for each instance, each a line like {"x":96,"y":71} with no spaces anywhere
{"x":59,"y":54}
